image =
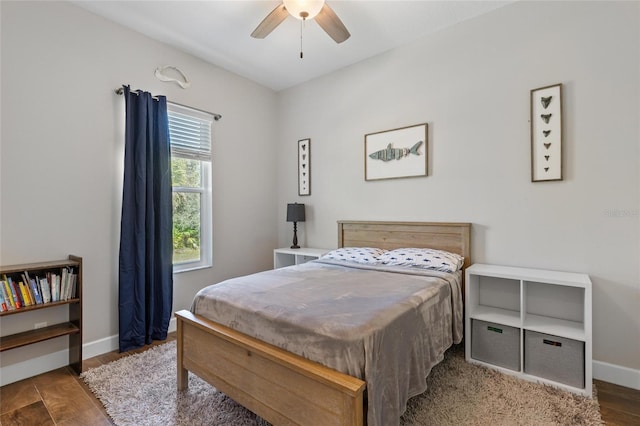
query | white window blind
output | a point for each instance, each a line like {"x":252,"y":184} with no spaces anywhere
{"x":190,"y":132}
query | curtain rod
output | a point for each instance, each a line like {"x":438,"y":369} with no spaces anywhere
{"x":216,"y":117}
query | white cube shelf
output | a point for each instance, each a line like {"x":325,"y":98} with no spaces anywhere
{"x":283,"y":257}
{"x":556,"y":305}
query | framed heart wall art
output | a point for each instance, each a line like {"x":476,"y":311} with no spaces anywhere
{"x":546,"y":133}
{"x":304,"y":167}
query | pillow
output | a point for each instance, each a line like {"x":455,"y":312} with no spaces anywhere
{"x":425,"y":258}
{"x":369,"y":255}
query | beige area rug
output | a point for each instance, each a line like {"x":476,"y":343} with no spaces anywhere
{"x":141,"y":390}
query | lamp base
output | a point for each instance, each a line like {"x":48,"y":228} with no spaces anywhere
{"x":295,"y":236}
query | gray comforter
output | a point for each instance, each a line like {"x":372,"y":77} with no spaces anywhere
{"x":386,"y":325}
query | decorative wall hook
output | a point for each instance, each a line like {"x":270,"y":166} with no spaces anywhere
{"x":159,"y":73}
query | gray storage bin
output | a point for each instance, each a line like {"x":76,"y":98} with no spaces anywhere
{"x":554,"y":358}
{"x":495,"y":344}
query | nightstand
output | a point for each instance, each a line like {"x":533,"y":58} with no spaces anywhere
{"x":287,"y":256}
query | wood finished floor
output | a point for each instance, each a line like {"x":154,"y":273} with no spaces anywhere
{"x":60,"y":397}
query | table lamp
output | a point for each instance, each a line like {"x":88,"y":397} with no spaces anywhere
{"x":295,"y":214}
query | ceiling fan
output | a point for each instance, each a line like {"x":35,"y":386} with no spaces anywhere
{"x":303,"y":10}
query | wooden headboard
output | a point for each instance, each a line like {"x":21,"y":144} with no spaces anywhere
{"x":449,"y":236}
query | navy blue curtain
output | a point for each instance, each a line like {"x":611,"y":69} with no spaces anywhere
{"x":146,"y":246}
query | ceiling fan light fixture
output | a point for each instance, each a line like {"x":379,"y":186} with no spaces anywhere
{"x":303,"y":9}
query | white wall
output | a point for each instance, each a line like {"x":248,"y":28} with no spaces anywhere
{"x":62,"y":155}
{"x":471,"y":83}
{"x":61,"y":151}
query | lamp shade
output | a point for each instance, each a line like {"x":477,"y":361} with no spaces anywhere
{"x":303,"y":9}
{"x":295,"y":212}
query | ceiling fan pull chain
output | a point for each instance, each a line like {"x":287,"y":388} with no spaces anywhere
{"x":301,"y":29}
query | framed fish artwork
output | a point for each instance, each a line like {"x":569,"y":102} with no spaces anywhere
{"x":304,"y":167}
{"x":397,"y":153}
{"x":546,"y":133}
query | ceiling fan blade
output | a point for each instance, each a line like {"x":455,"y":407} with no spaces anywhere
{"x":269,"y":23}
{"x":331,"y":24}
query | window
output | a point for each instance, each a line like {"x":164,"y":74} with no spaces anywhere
{"x":190,"y":135}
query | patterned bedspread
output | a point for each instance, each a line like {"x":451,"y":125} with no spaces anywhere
{"x":386,"y":325}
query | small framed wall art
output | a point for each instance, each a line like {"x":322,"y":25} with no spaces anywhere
{"x":396,"y":153}
{"x":304,"y":167}
{"x":546,"y":133}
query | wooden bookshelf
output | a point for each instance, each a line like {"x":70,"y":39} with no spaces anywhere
{"x":41,"y":306}
{"x":41,"y":334}
{"x":71,"y":328}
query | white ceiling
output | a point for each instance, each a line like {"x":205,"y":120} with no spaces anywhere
{"x":218,"y":32}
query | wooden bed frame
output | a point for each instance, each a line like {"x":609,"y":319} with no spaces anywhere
{"x":284,"y":388}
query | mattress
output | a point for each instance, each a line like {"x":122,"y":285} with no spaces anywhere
{"x":385,"y":325}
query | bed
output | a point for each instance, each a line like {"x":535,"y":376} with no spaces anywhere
{"x":281,"y":386}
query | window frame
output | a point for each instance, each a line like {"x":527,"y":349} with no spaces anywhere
{"x":206,"y":206}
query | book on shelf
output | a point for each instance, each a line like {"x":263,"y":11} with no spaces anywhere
{"x":15,"y":300}
{"x":15,"y":292}
{"x":52,"y":289}
{"x":35,"y":292}
{"x":27,"y":288}
{"x":69,"y":284}
{"x":5,"y":297}
{"x":45,"y":290}
{"x":3,"y":300}
{"x":25,"y":294}
{"x":30,"y":296}
{"x":58,"y":286}
{"x":6,"y":290}
{"x":19,"y":290}
{"x":8,"y":298}
{"x":54,"y":281}
{"x":32,"y":287}
{"x":74,"y":286}
{"x":65,"y":284}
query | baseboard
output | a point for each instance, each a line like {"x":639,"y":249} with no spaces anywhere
{"x":173,"y":324}
{"x":108,"y":344}
{"x":100,"y":346}
{"x":622,"y":376}
{"x":34,"y":366}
